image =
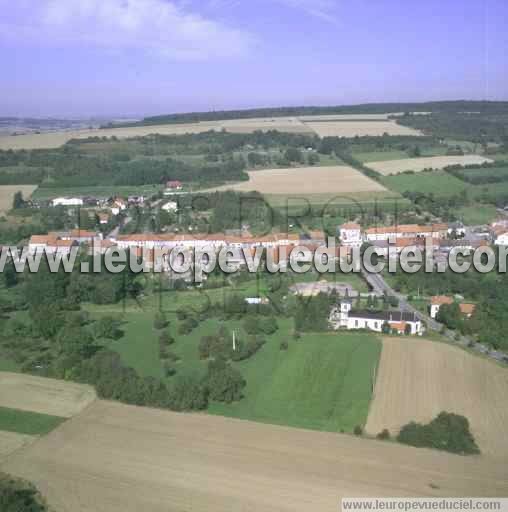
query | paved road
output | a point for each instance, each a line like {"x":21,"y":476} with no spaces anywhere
{"x":381,"y":287}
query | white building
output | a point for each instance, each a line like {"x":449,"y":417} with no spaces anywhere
{"x":67,"y":201}
{"x":467,"y":309}
{"x":351,"y":235}
{"x":170,"y":206}
{"x":344,"y":316}
{"x":501,"y":239}
{"x":118,"y":205}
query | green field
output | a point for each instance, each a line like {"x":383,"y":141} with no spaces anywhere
{"x":379,"y":156}
{"x":438,"y":183}
{"x":323,"y":381}
{"x":477,"y":214}
{"x":394,"y":154}
{"x":345,"y":199}
{"x":25,"y":422}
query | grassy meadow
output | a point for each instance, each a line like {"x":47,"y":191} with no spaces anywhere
{"x":26,"y":422}
{"x":322,"y":381}
{"x":439,"y":183}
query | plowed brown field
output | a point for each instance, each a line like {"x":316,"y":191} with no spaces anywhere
{"x":417,"y":379}
{"x":118,"y":458}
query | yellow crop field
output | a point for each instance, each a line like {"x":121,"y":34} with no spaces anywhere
{"x":359,"y":128}
{"x":46,"y":396}
{"x":338,"y":180}
{"x":388,"y":167}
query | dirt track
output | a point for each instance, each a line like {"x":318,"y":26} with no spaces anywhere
{"x":118,"y":458}
{"x":46,"y":396}
{"x":417,"y":379}
{"x":339,"y":179}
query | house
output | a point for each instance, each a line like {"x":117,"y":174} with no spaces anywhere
{"x":456,"y":229}
{"x":501,"y":237}
{"x":467,"y":309}
{"x":81,"y":236}
{"x":38,"y":243}
{"x":316,"y":236}
{"x":170,"y":206}
{"x":343,"y":316}
{"x":254,"y":301}
{"x":315,"y":288}
{"x":406,"y":231}
{"x":350,"y":234}
{"x":67,"y":201}
{"x":438,"y":300}
{"x":50,"y":244}
{"x":174,"y":185}
{"x":136,"y":200}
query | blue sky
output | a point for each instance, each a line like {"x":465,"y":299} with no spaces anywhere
{"x":140,"y":57}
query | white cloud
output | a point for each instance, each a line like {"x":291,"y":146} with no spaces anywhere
{"x":159,"y":27}
{"x":322,"y":9}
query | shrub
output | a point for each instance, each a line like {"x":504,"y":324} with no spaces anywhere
{"x":169,"y":370}
{"x":224,"y":383}
{"x":358,"y":430}
{"x":384,"y":434}
{"x":449,"y":432}
{"x":284,"y":345}
{"x":160,"y":320}
{"x":165,"y":339}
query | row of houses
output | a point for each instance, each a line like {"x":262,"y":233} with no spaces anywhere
{"x":62,"y":242}
{"x":352,"y":235}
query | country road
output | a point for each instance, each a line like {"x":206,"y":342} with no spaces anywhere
{"x":381,"y":287}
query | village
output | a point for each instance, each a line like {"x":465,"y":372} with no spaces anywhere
{"x":347,"y":313}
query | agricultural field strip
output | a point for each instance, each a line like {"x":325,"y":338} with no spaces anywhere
{"x":417,"y":379}
{"x":7,"y":194}
{"x":388,"y":167}
{"x":340,"y":179}
{"x":42,"y":395}
{"x":57,"y":139}
{"x":12,"y":441}
{"x":348,"y":125}
{"x":359,"y":128}
{"x":134,"y":458}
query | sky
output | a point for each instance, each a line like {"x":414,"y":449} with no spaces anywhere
{"x":130,"y":58}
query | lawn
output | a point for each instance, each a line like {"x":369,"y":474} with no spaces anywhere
{"x":25,"y":422}
{"x":438,"y":183}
